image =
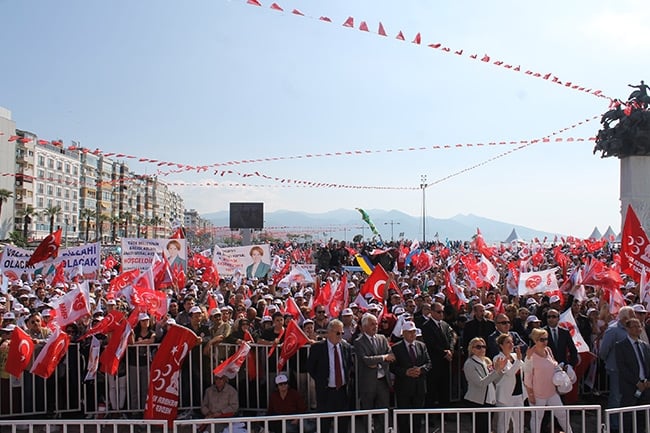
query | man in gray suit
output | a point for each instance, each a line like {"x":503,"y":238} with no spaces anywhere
{"x":373,"y":358}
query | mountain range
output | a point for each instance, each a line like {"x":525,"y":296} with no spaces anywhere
{"x":344,"y":224}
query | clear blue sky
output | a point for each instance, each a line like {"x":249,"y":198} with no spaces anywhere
{"x":207,"y":81}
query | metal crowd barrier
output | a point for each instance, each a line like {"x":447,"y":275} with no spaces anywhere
{"x":583,"y":419}
{"x":84,"y":426}
{"x":341,"y":422}
{"x":124,"y":394}
{"x":634,"y":419}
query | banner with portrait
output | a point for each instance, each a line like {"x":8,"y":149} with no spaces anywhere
{"x":139,"y":253}
{"x":252,"y":261}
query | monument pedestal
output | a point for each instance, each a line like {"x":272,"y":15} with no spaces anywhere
{"x":635,"y":188}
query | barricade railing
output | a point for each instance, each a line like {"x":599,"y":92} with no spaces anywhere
{"x":583,"y":419}
{"x":341,"y":422}
{"x":125,"y":393}
{"x":32,"y":395}
{"x":84,"y":426}
{"x":631,"y":419}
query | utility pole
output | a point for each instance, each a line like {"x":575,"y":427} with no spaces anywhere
{"x":423,"y":185}
{"x":392,"y":223}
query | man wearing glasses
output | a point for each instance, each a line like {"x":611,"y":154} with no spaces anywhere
{"x":330,"y":365}
{"x":559,"y":340}
{"x":502,"y":323}
{"x":440,"y":340}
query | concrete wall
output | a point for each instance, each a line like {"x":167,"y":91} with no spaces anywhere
{"x":7,"y":166}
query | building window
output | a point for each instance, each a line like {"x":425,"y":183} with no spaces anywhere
{"x":59,"y":165}
{"x":74,"y":195}
{"x":41,"y":161}
{"x":67,"y":168}
{"x":49,"y":202}
{"x":74,"y":170}
{"x":58,"y":191}
{"x":39,"y":202}
{"x":39,"y":188}
{"x":66,"y":206}
{"x":40,"y":173}
{"x":50,"y":163}
{"x":66,"y":193}
{"x":50,"y":190}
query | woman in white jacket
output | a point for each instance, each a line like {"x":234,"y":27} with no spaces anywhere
{"x":509,"y":389}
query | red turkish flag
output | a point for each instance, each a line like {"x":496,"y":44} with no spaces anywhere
{"x":48,"y":248}
{"x":276,"y":7}
{"x":376,"y":284}
{"x":635,"y":247}
{"x":400,"y":36}
{"x":363,"y":26}
{"x":108,"y":324}
{"x":162,"y":398}
{"x":596,"y":273}
{"x":324,"y":296}
{"x":59,"y":274}
{"x":156,"y":303}
{"x":294,"y":339}
{"x":51,"y":354}
{"x":110,"y":262}
{"x":292,"y":308}
{"x":179,"y":277}
{"x":110,"y":358}
{"x":340,"y":298}
{"x":349,"y":22}
{"x":283,"y":272}
{"x":178,"y":234}
{"x":230,"y":367}
{"x":163,"y":276}
{"x":21,"y":349}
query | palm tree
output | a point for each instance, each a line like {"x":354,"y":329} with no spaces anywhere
{"x":155,"y":222}
{"x":138,"y":221}
{"x":126,"y":218}
{"x":102,"y":218}
{"x":87,"y":214}
{"x":52,"y":212}
{"x":115,"y":221}
{"x":5,"y":195}
{"x":27,"y":214}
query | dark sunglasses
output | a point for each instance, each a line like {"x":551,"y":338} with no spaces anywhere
{"x":543,"y":339}
{"x":553,"y":316}
{"x":480,"y":346}
{"x":504,"y":322}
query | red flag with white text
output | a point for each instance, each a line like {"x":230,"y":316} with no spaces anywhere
{"x":537,"y":282}
{"x":72,"y":306}
{"x":635,"y":248}
{"x":162,"y":398}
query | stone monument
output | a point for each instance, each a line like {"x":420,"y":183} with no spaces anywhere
{"x":626,"y":135}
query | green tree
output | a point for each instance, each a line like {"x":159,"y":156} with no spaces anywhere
{"x":5,"y":195}
{"x":52,"y":212}
{"x":102,"y":218}
{"x":27,"y":215}
{"x":156,"y":222}
{"x":87,"y":214}
{"x":17,"y":238}
{"x":115,"y":221}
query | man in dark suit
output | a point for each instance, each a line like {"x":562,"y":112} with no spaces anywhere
{"x":633,"y":365}
{"x":560,"y":340}
{"x":373,"y":358}
{"x":479,"y":326}
{"x":439,"y":339}
{"x":330,"y":365}
{"x":502,"y":323}
{"x":410,"y":369}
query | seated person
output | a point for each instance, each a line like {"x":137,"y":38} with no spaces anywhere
{"x":220,"y":400}
{"x":288,"y":401}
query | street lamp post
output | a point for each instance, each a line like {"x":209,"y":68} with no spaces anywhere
{"x":423,"y":185}
{"x":392,"y":223}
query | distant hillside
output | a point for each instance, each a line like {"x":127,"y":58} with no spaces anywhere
{"x":344,"y":224}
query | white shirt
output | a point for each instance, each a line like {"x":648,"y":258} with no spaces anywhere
{"x":331,"y":380}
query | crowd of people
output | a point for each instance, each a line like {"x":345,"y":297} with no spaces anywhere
{"x":404,"y":351}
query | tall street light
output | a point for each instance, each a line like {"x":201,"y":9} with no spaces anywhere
{"x":423,"y":185}
{"x":392,"y":223}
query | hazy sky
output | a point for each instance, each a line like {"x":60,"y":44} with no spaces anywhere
{"x":203,"y":82}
